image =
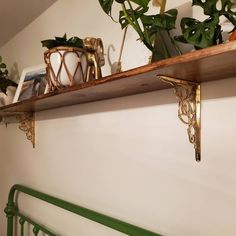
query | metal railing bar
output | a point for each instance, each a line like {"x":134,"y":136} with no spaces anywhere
{"x":108,"y":221}
{"x":33,"y":223}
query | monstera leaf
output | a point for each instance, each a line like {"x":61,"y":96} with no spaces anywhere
{"x":210,"y":8}
{"x":164,"y":21}
{"x":200,"y":34}
{"x":155,"y":23}
{"x":107,"y":4}
{"x":207,"y":33}
{"x":141,"y":3}
{"x":133,"y":15}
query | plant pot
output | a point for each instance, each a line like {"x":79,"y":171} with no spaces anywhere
{"x":7,"y":99}
{"x":164,"y":47}
{"x":66,"y":66}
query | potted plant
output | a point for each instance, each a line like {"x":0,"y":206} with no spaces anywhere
{"x":73,"y":61}
{"x":209,"y":32}
{"x":150,"y":28}
{"x":7,"y":86}
{"x":66,"y":61}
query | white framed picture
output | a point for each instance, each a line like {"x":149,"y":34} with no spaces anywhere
{"x":32,"y":83}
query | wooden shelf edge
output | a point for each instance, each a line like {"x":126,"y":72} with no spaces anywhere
{"x":193,"y":66}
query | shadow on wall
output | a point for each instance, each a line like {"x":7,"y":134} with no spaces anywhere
{"x":219,"y":89}
{"x":112,"y":105}
{"x":210,"y":90}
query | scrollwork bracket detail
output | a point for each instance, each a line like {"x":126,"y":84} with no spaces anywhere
{"x":189,"y":112}
{"x":27,"y":125}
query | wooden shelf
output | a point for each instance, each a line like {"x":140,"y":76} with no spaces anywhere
{"x":213,"y":63}
{"x":185,"y":73}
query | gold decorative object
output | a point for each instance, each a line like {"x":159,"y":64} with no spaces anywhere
{"x":189,"y":98}
{"x":95,"y":57}
{"x":65,"y":67}
{"x":27,"y":125}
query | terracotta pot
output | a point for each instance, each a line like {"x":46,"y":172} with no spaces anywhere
{"x":232,"y":36}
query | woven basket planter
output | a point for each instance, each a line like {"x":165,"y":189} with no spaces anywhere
{"x":66,"y":66}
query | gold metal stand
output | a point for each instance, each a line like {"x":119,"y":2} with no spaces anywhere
{"x":189,"y":100}
{"x":27,"y":125}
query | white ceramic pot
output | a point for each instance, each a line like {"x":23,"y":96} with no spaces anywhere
{"x":7,"y":99}
{"x":68,"y":66}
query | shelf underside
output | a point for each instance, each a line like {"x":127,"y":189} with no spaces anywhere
{"x":218,"y":62}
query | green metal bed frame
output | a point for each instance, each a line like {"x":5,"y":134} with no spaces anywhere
{"x":12,"y":212}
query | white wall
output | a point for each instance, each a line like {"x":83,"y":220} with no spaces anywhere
{"x":126,"y":157}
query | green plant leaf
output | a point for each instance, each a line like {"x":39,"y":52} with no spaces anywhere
{"x":3,"y":66}
{"x":142,"y":3}
{"x":6,"y":72}
{"x":122,"y":20}
{"x":209,"y":6}
{"x":227,"y":11}
{"x":61,"y":39}
{"x":181,"y":39}
{"x":164,"y":21}
{"x":200,"y":34}
{"x":135,"y":13}
{"x":230,"y":17}
{"x":153,"y":24}
{"x":4,"y":83}
{"x":49,"y":43}
{"x":75,"y":42}
{"x":106,"y":5}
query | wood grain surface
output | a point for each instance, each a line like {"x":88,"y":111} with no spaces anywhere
{"x":214,"y":63}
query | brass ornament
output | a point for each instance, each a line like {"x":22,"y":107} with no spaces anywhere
{"x":27,"y":125}
{"x":189,"y":112}
{"x":95,"y":58}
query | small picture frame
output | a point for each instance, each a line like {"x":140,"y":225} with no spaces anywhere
{"x":32,"y":83}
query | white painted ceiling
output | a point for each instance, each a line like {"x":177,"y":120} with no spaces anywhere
{"x":17,"y":14}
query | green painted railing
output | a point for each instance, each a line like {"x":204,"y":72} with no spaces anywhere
{"x":12,"y":211}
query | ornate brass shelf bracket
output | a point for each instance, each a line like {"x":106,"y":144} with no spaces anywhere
{"x":27,"y":125}
{"x":189,"y":112}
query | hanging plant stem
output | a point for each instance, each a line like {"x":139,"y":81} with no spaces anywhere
{"x":136,"y":26}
